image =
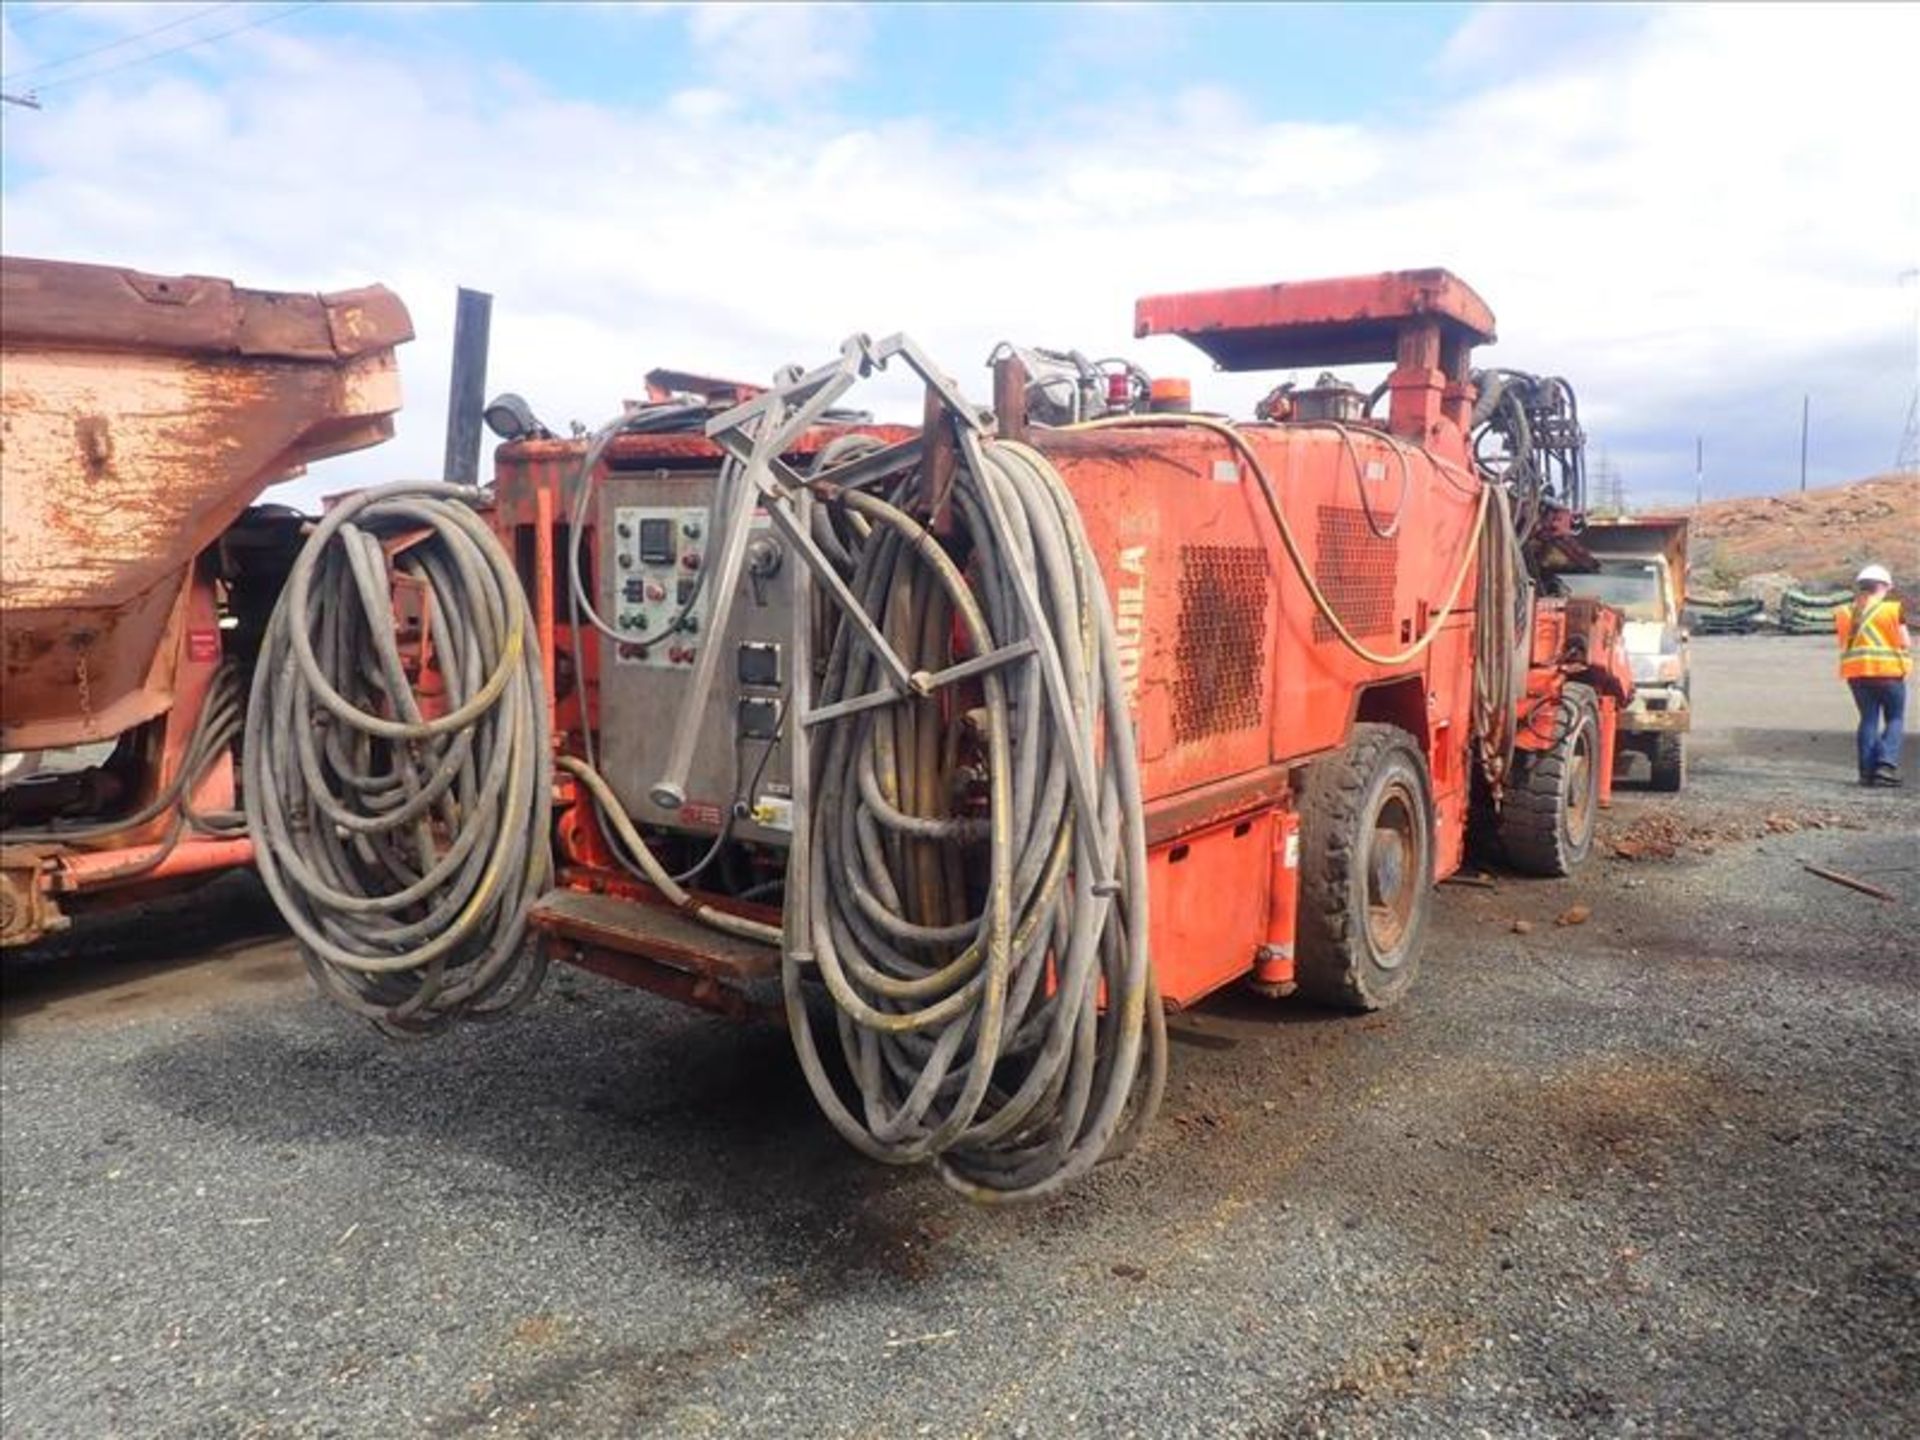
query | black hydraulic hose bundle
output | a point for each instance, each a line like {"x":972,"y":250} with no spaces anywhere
{"x":403,"y":850}
{"x":1526,"y":436}
{"x":214,"y":731}
{"x":979,"y":925}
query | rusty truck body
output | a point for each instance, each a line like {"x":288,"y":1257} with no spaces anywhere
{"x":141,"y":416}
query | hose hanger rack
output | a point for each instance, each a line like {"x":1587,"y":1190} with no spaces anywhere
{"x":967,"y":877}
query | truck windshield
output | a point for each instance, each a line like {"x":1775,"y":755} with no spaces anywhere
{"x":1631,"y":585}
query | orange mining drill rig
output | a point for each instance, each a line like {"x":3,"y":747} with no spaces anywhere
{"x":970,"y":747}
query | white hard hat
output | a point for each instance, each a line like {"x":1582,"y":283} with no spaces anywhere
{"x":1873,"y":575}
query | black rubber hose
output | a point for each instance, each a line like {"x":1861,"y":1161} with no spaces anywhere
{"x":404,"y":850}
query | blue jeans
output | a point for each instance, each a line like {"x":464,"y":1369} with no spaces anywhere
{"x":1882,"y":704}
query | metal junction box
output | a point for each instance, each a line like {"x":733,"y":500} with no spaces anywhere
{"x":652,"y":549}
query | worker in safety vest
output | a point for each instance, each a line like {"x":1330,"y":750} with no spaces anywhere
{"x":1876,"y":656}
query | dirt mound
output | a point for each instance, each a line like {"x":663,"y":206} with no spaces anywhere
{"x":1820,"y":537}
{"x":1663,"y":834}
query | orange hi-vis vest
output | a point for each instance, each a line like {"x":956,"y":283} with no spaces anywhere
{"x":1870,"y":640}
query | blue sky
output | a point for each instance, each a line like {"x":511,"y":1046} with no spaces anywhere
{"x":982,"y":67}
{"x":1696,"y":214}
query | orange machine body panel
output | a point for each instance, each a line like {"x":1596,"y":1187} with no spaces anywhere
{"x":1236,"y":675}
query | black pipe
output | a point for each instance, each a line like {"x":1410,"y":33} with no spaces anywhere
{"x":466,"y":397}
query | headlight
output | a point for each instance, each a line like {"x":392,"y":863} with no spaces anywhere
{"x":1657,"y":670}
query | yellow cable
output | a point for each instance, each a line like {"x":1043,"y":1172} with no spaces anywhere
{"x":1234,"y":438}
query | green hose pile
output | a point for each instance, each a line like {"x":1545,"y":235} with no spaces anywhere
{"x":1805,"y":612}
{"x":1724,"y":617}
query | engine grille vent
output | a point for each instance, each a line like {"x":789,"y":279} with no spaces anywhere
{"x":1223,"y":638}
{"x":1356,"y":570}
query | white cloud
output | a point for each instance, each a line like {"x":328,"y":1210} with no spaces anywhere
{"x":1695,"y":221}
{"x":778,"y":52}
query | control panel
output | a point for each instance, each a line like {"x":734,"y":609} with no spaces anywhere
{"x":654,"y":558}
{"x":658,"y":552}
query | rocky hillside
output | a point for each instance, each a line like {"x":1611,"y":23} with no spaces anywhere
{"x":1820,"y":538}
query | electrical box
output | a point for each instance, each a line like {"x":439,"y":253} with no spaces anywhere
{"x":653,"y":548}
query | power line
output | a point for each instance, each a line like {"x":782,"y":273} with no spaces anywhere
{"x":176,"y":49}
{"x":121,"y":43}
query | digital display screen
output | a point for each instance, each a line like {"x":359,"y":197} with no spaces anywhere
{"x":656,"y":542}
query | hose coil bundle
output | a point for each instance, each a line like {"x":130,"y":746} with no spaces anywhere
{"x":403,"y":850}
{"x":977,"y":916}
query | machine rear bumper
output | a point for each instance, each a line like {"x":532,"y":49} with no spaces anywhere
{"x":1657,"y":710}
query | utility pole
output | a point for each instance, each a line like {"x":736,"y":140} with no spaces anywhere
{"x":1699,"y":471}
{"x":1806,"y":405}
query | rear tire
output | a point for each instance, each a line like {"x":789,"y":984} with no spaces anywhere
{"x":1669,"y":758}
{"x":1552,"y":803}
{"x":1366,"y":871}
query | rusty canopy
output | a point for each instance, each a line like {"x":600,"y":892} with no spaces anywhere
{"x":1348,"y":321}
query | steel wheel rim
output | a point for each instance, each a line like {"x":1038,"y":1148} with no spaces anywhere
{"x":1391,"y":874}
{"x":1580,"y":778}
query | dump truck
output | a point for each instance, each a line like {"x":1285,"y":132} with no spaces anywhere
{"x":966,"y":748}
{"x":1639,"y":566}
{"x":142,"y":416}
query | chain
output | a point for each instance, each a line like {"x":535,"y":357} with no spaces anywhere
{"x":86,"y":694}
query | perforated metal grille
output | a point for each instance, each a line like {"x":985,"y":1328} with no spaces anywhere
{"x":1223,"y":634}
{"x":1355,"y":569}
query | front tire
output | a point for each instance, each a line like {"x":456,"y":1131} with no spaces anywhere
{"x":1366,"y":871}
{"x":1552,"y":803}
{"x":1669,"y":762}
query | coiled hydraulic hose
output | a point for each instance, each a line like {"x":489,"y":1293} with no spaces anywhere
{"x":980,"y":926}
{"x":1503,"y":609}
{"x":403,"y":849}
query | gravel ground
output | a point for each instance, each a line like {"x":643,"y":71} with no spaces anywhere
{"x":1650,"y":1173}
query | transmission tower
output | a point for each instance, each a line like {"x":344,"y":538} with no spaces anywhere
{"x":1609,"y":487}
{"x":1907,"y":462}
